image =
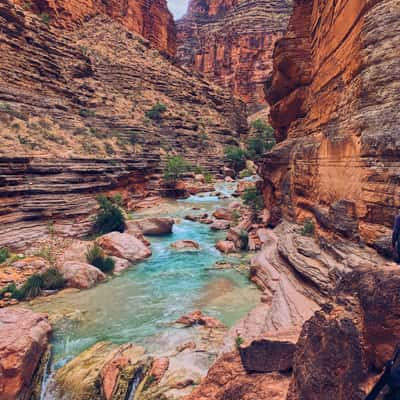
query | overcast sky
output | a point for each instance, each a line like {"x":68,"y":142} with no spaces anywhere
{"x":178,"y":7}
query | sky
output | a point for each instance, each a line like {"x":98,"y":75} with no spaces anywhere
{"x":178,"y":7}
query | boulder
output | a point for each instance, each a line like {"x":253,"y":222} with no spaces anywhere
{"x":120,"y":264}
{"x":220,"y":225}
{"x":102,"y":369}
{"x":24,"y":339}
{"x":159,"y":368}
{"x":153,"y":226}
{"x":226,"y":246}
{"x":198,"y":318}
{"x":222,"y":213}
{"x":81,"y":275}
{"x":124,"y":245}
{"x":185,"y":245}
{"x":270,"y":353}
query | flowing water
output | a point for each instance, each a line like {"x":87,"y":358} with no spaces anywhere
{"x":139,"y":305}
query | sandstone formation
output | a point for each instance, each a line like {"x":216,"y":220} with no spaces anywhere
{"x":81,"y":275}
{"x":24,"y":338}
{"x":125,"y":246}
{"x":150,"y":19}
{"x":72,"y":108}
{"x":231,"y":42}
{"x":334,"y":95}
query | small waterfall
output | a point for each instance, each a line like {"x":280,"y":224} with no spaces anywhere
{"x":47,"y":373}
{"x":134,"y":384}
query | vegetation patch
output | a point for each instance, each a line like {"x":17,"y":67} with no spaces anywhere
{"x":96,"y":257}
{"x":156,"y":112}
{"x":253,"y":199}
{"x":109,"y":218}
{"x":236,"y":157}
{"x":175,"y":168}
{"x":308,"y":228}
{"x":4,"y":254}
{"x":261,"y":140}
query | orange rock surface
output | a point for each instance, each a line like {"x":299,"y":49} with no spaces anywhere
{"x":151,"y":19}
{"x":334,"y":98}
{"x":231,"y":42}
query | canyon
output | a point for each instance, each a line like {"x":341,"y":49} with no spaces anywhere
{"x":231,"y":43}
{"x":214,"y":297}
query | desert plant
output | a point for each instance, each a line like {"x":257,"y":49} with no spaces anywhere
{"x":175,"y":167}
{"x":239,"y":341}
{"x":52,"y":279}
{"x":31,"y":288}
{"x":4,"y":254}
{"x":83,"y":112}
{"x":308,"y":228}
{"x":156,"y":112}
{"x":45,"y":18}
{"x":253,"y":199}
{"x":208,"y":177}
{"x":96,"y":257}
{"x":236,"y":157}
{"x":109,"y":217}
{"x":245,"y":173}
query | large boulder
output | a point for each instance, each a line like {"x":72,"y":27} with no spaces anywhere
{"x":220,"y":225}
{"x":24,"y":338}
{"x":225,"y":246}
{"x":198,"y":318}
{"x":81,"y":275}
{"x":153,"y":226}
{"x":223,"y":213}
{"x":123,"y":245}
{"x":269,"y":353}
{"x":103,"y":371}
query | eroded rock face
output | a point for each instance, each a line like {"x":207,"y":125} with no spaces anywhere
{"x":150,"y":19}
{"x":76,"y":120}
{"x":24,"y":338}
{"x":232,"y":41}
{"x":335,"y":120}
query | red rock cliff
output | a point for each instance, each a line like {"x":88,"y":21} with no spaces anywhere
{"x":231,"y":42}
{"x":151,"y":19}
{"x":334,"y":97}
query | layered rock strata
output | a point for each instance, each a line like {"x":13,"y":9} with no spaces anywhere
{"x":150,"y":19}
{"x":334,"y":95}
{"x":231,"y":42}
{"x":75,"y":110}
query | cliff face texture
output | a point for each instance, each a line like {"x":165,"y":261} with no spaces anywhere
{"x":150,"y":19}
{"x":74,"y":120}
{"x":334,"y":97}
{"x":231,"y":42}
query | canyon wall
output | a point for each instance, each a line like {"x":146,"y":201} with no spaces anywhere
{"x":231,"y":42}
{"x":334,"y":99}
{"x":150,"y":19}
{"x":74,"y":120}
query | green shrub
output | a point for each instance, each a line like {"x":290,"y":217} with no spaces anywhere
{"x":236,"y":157}
{"x":239,"y":341}
{"x":253,"y":199}
{"x":96,"y":257}
{"x":156,"y":112}
{"x":109,"y":149}
{"x":208,"y":177}
{"x":261,"y":140}
{"x":45,"y":18}
{"x":245,"y":173}
{"x":31,"y":288}
{"x":203,"y":138}
{"x":109,"y":218}
{"x":52,"y":279}
{"x":175,"y":167}
{"x":48,"y":253}
{"x":244,"y":240}
{"x":83,"y":112}
{"x":4,"y":254}
{"x":308,"y":228}
{"x":9,"y":289}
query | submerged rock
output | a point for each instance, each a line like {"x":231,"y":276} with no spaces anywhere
{"x":185,"y":245}
{"x":125,"y":246}
{"x":102,"y":372}
{"x":153,"y":226}
{"x":222,"y":213}
{"x":220,"y":225}
{"x":24,"y":339}
{"x":198,"y":318}
{"x":226,"y":246}
{"x":81,"y":275}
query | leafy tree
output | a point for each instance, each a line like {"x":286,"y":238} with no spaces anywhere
{"x":261,"y":140}
{"x":236,"y":157}
{"x":253,"y":199}
{"x":175,"y":167}
{"x":109,"y":218}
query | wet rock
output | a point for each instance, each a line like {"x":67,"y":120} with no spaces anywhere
{"x":81,"y":275}
{"x":125,"y":246}
{"x":102,"y":370}
{"x":226,"y":246}
{"x":198,"y":318}
{"x":24,"y":339}
{"x":153,"y":226}
{"x":220,"y":225}
{"x":222,"y":213}
{"x":159,"y":368}
{"x":272,"y":352}
{"x":185,"y":245}
{"x":121,"y":264}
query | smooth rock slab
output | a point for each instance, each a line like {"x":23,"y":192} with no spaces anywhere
{"x":185,"y":245}
{"x":123,"y":245}
{"x":81,"y":275}
{"x":153,"y":226}
{"x":273,"y":352}
{"x":24,"y":338}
